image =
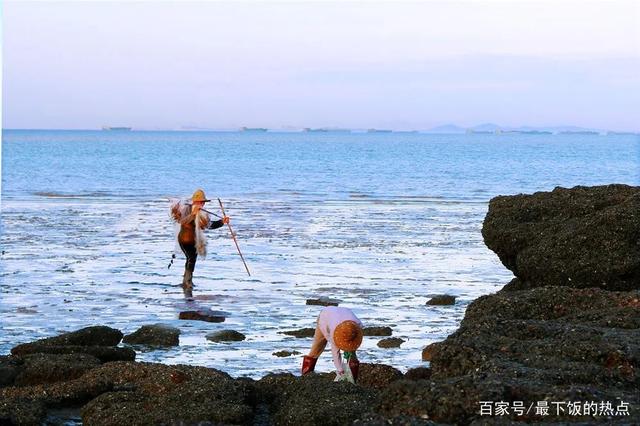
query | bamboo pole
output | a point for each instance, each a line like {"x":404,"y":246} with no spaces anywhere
{"x":234,"y":238}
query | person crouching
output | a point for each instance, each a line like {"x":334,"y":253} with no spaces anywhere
{"x":343,"y":330}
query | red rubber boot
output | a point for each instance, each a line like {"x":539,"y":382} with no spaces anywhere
{"x":308,"y":364}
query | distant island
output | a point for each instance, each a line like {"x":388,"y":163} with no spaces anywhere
{"x":446,"y":129}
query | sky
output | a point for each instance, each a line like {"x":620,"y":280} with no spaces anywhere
{"x":391,"y":65}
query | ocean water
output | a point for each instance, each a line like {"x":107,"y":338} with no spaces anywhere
{"x":378,"y":221}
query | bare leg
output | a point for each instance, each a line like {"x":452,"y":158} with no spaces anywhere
{"x":319,"y":343}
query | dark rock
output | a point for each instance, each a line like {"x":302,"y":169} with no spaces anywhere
{"x":429,"y":350}
{"x":168,"y":395}
{"x":50,"y":368}
{"x":282,"y":354}
{"x":442,"y":299}
{"x":21,"y":412}
{"x":549,"y":343}
{"x":323,"y":301}
{"x":377,"y":331}
{"x":225,"y":336}
{"x":154,"y":335}
{"x":10,"y":367}
{"x":377,"y":376}
{"x":315,"y":400}
{"x":579,"y":237}
{"x":303,"y":332}
{"x":373,"y":419}
{"x":103,"y":353}
{"x":200,"y":316}
{"x":391,"y":342}
{"x":273,"y":386}
{"x":59,"y":394}
{"x":418,"y":373}
{"x":88,"y":336}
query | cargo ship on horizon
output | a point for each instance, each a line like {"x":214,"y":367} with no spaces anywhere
{"x":120,"y":129}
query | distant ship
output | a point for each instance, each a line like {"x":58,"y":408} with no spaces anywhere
{"x":253,"y":129}
{"x":378,"y":131}
{"x":121,"y":129}
{"x":579,"y":132}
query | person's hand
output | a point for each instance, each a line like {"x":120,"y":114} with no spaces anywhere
{"x":225,"y":220}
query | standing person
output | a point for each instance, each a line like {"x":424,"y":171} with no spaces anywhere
{"x":343,"y":330}
{"x":193,"y":221}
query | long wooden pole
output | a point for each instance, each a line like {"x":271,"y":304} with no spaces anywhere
{"x":234,"y":238}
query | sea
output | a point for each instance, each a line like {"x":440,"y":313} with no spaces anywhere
{"x":379,"y":221}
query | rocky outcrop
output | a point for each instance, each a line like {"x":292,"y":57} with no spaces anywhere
{"x":563,"y":337}
{"x":377,"y":331}
{"x":315,"y":400}
{"x":201,"y":316}
{"x":174,"y":393}
{"x":97,"y":341}
{"x":154,"y":335}
{"x":226,"y":336}
{"x":442,"y":300}
{"x":323,"y":301}
{"x":148,"y":393}
{"x":579,"y":237}
{"x":303,"y":332}
{"x":51,"y":368}
{"x":390,"y":342}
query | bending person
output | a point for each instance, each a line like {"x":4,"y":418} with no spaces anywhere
{"x":341,"y":328}
{"x":193,"y":242}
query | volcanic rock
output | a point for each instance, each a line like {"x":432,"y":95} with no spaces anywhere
{"x":442,"y":299}
{"x":418,"y":373}
{"x":377,"y":376}
{"x":391,"y":342}
{"x":50,"y":368}
{"x":154,"y":335}
{"x":200,"y":316}
{"x":226,"y":336}
{"x":377,"y":331}
{"x":579,"y":237}
{"x":285,"y":353}
{"x":323,"y":301}
{"x":303,"y":332}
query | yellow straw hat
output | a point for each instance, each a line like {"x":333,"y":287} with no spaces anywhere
{"x":348,"y":336}
{"x":199,"y":196}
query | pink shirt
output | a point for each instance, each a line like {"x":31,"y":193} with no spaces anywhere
{"x":329,"y":318}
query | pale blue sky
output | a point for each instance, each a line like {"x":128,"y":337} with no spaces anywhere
{"x":378,"y":64}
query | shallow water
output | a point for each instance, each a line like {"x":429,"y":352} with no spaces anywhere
{"x":380,"y":222}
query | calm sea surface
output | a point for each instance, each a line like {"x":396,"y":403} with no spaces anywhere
{"x":379,"y":221}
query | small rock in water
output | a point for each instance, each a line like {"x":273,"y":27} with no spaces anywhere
{"x":200,"y":316}
{"x":442,"y":299}
{"x":377,"y":331}
{"x":323,"y":301}
{"x":282,"y":354}
{"x":154,"y":335}
{"x":303,"y":332}
{"x":391,"y":342}
{"x":226,"y":336}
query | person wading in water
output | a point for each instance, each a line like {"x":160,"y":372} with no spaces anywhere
{"x":193,"y":221}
